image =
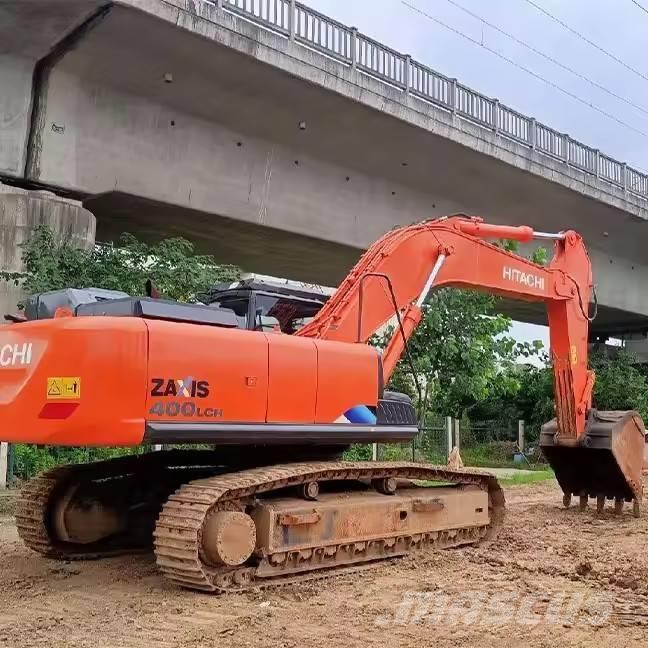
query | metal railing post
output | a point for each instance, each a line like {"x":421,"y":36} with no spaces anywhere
{"x":407,"y":66}
{"x":219,"y":4}
{"x":521,"y":436}
{"x":457,"y":434}
{"x":374,"y":452}
{"x":496,"y":115}
{"x":532,"y":133}
{"x":448,"y":436}
{"x":566,"y":147}
{"x":453,"y":96}
{"x":354,"y":47}
{"x":624,"y":176}
{"x":292,"y":20}
{"x":597,"y":163}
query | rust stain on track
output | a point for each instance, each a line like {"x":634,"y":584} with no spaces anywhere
{"x":179,"y":528}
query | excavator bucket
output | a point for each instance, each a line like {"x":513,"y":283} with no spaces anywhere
{"x":604,"y":463}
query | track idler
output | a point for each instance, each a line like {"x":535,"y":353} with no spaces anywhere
{"x":605,"y":463}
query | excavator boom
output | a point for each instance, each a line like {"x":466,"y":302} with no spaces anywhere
{"x":398,"y":272}
{"x":395,"y":277}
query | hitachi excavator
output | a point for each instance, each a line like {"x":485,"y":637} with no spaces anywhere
{"x":269,"y":501}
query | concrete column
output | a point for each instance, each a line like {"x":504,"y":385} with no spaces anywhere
{"x":20,"y":212}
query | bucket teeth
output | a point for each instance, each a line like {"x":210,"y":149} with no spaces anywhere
{"x":605,"y":463}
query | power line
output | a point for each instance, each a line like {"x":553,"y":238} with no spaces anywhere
{"x":525,"y":69}
{"x":587,"y":40}
{"x":640,"y":6}
{"x":547,"y":57}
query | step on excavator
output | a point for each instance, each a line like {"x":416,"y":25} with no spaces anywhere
{"x":258,"y":495}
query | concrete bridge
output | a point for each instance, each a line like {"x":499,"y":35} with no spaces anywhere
{"x":282,"y":140}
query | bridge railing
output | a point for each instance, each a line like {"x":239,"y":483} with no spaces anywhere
{"x":313,"y":29}
{"x":346,"y":44}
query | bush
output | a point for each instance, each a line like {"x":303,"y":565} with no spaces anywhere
{"x":30,"y":460}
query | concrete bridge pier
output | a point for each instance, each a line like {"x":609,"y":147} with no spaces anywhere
{"x":21,"y":211}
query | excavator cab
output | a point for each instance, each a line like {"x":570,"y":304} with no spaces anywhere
{"x":265,"y":305}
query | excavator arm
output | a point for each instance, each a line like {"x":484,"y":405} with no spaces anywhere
{"x":398,"y":272}
{"x":594,"y":454}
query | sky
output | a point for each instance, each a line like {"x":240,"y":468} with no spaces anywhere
{"x":617,"y":125}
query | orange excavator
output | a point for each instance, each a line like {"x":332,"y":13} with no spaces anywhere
{"x":263,"y":496}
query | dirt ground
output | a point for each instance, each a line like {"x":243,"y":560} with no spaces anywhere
{"x":542,"y":553}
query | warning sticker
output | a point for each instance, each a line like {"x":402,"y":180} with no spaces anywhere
{"x":573,"y":353}
{"x":64,"y":388}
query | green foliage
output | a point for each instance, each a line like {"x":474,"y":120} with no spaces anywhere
{"x":620,"y":383}
{"x":29,"y":460}
{"x":52,"y":263}
{"x":460,"y":353}
{"x":540,"y":255}
{"x":358,"y":452}
{"x":532,"y":401}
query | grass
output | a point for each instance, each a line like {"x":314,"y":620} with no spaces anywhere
{"x":525,"y":479}
{"x":488,"y":457}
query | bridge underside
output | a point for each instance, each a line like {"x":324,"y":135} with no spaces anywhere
{"x":284,"y":254}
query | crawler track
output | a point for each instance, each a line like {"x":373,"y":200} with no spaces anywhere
{"x":31,"y":513}
{"x":139,"y":483}
{"x":179,"y":527}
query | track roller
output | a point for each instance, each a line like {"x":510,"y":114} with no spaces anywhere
{"x":309,"y":491}
{"x":386,"y":485}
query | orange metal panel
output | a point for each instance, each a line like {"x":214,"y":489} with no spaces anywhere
{"x":292,"y":391}
{"x":347,"y":376}
{"x":206,"y":374}
{"x":105,"y":357}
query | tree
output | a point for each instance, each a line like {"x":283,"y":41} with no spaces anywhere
{"x":460,"y":353}
{"x":621,"y":384}
{"x":53,"y":263}
{"x":532,"y":401}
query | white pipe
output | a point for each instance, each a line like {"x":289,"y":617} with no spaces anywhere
{"x":428,"y":284}
{"x":549,"y":236}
